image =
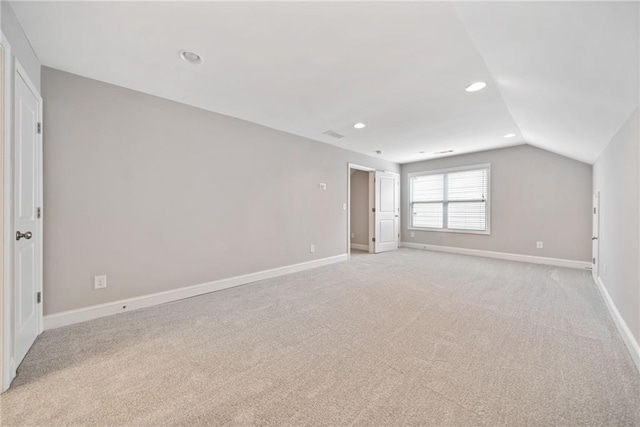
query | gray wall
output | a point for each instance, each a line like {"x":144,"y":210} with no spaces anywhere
{"x":360,"y":207}
{"x":158,"y":195}
{"x":535,"y":196}
{"x":20,"y":45}
{"x":616,"y":176}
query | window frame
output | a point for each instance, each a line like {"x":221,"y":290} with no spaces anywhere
{"x":410,"y":177}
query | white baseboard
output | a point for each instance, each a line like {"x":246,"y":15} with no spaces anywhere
{"x":96,"y":311}
{"x":627,"y":336}
{"x":359,"y":247}
{"x":583,"y":265}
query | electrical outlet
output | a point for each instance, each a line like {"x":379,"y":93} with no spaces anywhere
{"x":413,"y":234}
{"x":539,"y":245}
{"x":99,"y":282}
{"x":312,"y":248}
{"x":344,"y":206}
{"x":353,"y":235}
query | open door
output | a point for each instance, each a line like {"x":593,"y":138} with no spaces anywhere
{"x":27,"y":234}
{"x":387,"y":211}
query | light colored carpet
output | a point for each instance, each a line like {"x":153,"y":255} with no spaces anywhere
{"x":403,"y":338}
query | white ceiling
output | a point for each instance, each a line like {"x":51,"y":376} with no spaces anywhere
{"x":562,"y":76}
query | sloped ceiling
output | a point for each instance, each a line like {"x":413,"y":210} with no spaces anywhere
{"x":561,"y":76}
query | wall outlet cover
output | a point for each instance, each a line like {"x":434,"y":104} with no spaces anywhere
{"x":99,"y":282}
{"x":312,"y":248}
{"x":539,"y":245}
{"x":413,"y":234}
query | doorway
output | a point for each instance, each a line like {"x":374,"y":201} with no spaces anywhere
{"x":373,"y":213}
{"x":361,"y":194}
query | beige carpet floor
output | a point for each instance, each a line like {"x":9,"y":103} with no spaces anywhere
{"x":403,"y":338}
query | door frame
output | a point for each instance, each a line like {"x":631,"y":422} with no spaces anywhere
{"x":595,"y":226}
{"x":370,"y":209}
{"x":12,"y":68}
{"x":5,"y":319}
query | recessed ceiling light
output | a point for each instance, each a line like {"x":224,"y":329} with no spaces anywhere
{"x":510,"y":135}
{"x":359,"y":125}
{"x":191,"y":57}
{"x":378,"y":151}
{"x":474,"y":87}
{"x":420,"y":152}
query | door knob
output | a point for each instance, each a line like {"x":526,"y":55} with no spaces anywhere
{"x":26,"y":235}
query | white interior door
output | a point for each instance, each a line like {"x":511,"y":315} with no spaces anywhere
{"x":595,"y":242}
{"x":387,"y":211}
{"x":27,"y":184}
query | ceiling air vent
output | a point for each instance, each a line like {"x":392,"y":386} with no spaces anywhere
{"x":443,"y":152}
{"x":333,"y":134}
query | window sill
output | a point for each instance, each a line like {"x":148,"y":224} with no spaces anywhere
{"x":446,"y":230}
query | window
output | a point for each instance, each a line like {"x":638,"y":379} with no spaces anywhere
{"x":451,"y":200}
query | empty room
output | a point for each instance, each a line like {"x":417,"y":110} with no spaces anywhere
{"x":304,"y":213}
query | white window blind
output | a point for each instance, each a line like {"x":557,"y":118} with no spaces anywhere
{"x":451,"y":200}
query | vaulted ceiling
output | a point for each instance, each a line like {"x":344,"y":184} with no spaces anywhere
{"x":562,"y":76}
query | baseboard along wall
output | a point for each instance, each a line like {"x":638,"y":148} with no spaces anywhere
{"x":70,"y":317}
{"x":583,"y":265}
{"x":626,"y":334}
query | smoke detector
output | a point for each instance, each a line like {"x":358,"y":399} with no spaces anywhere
{"x":191,"y":57}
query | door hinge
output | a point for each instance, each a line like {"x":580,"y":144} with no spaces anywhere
{"x":373,"y":209}
{"x":373,"y":239}
{"x":594,"y":260}
{"x":39,"y":297}
{"x":594,"y":211}
{"x":38,"y":212}
{"x":39,"y":127}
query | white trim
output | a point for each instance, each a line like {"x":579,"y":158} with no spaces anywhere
{"x":583,"y":265}
{"x":361,"y":168}
{"x":70,"y":317}
{"x":359,"y":247}
{"x":410,"y":175}
{"x":626,"y":334}
{"x":8,"y":368}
